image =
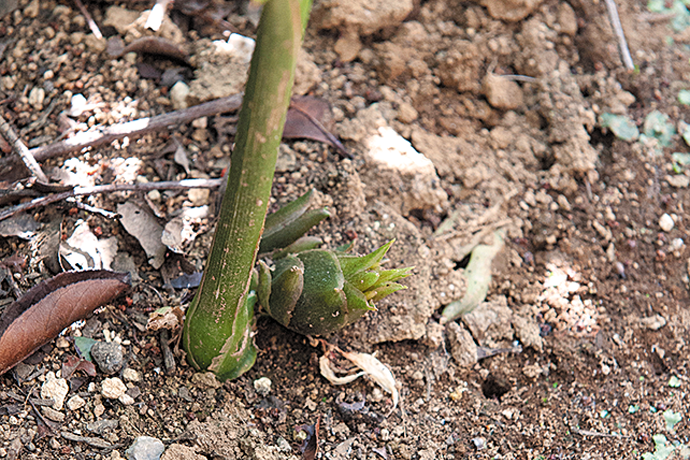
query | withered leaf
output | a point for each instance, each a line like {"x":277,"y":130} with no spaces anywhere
{"x":144,"y":227}
{"x":52,"y":305}
{"x":73,"y":364}
{"x":310,"y":446}
{"x":310,"y":118}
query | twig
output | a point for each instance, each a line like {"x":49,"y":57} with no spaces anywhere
{"x":89,"y":20}
{"x":523,"y":78}
{"x":41,"y":417}
{"x":138,"y":127}
{"x":92,"y":209}
{"x":131,"y":129}
{"x":80,"y":191}
{"x":22,"y":150}
{"x":618,"y":29}
{"x":41,"y":120}
{"x":598,"y":434}
{"x":168,"y":358}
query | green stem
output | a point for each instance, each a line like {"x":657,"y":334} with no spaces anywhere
{"x":217,"y":332}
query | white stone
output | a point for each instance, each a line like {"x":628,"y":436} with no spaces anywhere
{"x":126,"y":399}
{"x":36,"y":97}
{"x":263,"y":386}
{"x":131,"y":375}
{"x":55,"y":389}
{"x":666,"y":223}
{"x":178,"y":95}
{"x":238,"y":46}
{"x":75,"y":402}
{"x":113,"y":388}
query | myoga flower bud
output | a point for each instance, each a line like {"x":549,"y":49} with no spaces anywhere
{"x":319,"y":291}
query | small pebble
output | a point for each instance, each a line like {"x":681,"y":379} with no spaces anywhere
{"x":479,"y":443}
{"x":75,"y":402}
{"x":113,"y":388}
{"x":52,"y":414}
{"x":36,"y":97}
{"x":100,"y":426}
{"x":283,"y":445}
{"x":145,"y":448}
{"x":666,"y":223}
{"x":206,"y":380}
{"x":178,"y":95}
{"x":199,"y":196}
{"x":200,"y":123}
{"x":55,"y":389}
{"x":677,"y":243}
{"x":98,"y":409}
{"x":262,"y":386}
{"x":131,"y":375}
{"x":62,"y":342}
{"x":126,"y":399}
{"x":108,"y":356}
{"x":31,"y":11}
{"x":23,"y":370}
{"x":653,"y":323}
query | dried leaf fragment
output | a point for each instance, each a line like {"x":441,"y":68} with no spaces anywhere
{"x":310,"y":446}
{"x":478,"y":273}
{"x":84,"y":250}
{"x":52,"y":305}
{"x":368,"y":364}
{"x":145,"y":228}
{"x":310,"y":118}
{"x":165,"y":318}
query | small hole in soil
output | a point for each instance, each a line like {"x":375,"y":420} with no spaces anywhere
{"x":495,"y":387}
{"x":462,"y":263}
{"x":598,"y":136}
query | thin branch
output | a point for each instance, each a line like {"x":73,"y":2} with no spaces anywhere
{"x":92,"y":209}
{"x":110,"y":188}
{"x":523,"y":78}
{"x":89,"y":20}
{"x":22,"y":150}
{"x":618,"y":29}
{"x":597,"y":434}
{"x":137,"y":128}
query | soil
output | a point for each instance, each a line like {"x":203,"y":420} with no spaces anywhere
{"x":461,"y":118}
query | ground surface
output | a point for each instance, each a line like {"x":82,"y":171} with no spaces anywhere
{"x":590,"y":292}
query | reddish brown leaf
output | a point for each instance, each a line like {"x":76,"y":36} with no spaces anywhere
{"x":310,"y":446}
{"x":49,"y":307}
{"x":310,"y":118}
{"x":73,"y":364}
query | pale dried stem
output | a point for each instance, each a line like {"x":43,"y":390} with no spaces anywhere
{"x":618,"y":29}
{"x":130,"y":129}
{"x":89,"y":20}
{"x":110,"y":188}
{"x":22,"y":150}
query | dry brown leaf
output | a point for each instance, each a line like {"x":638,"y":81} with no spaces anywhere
{"x":52,"y":305}
{"x":144,"y":227}
{"x":310,"y":118}
{"x":165,"y":318}
{"x":369,"y":365}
